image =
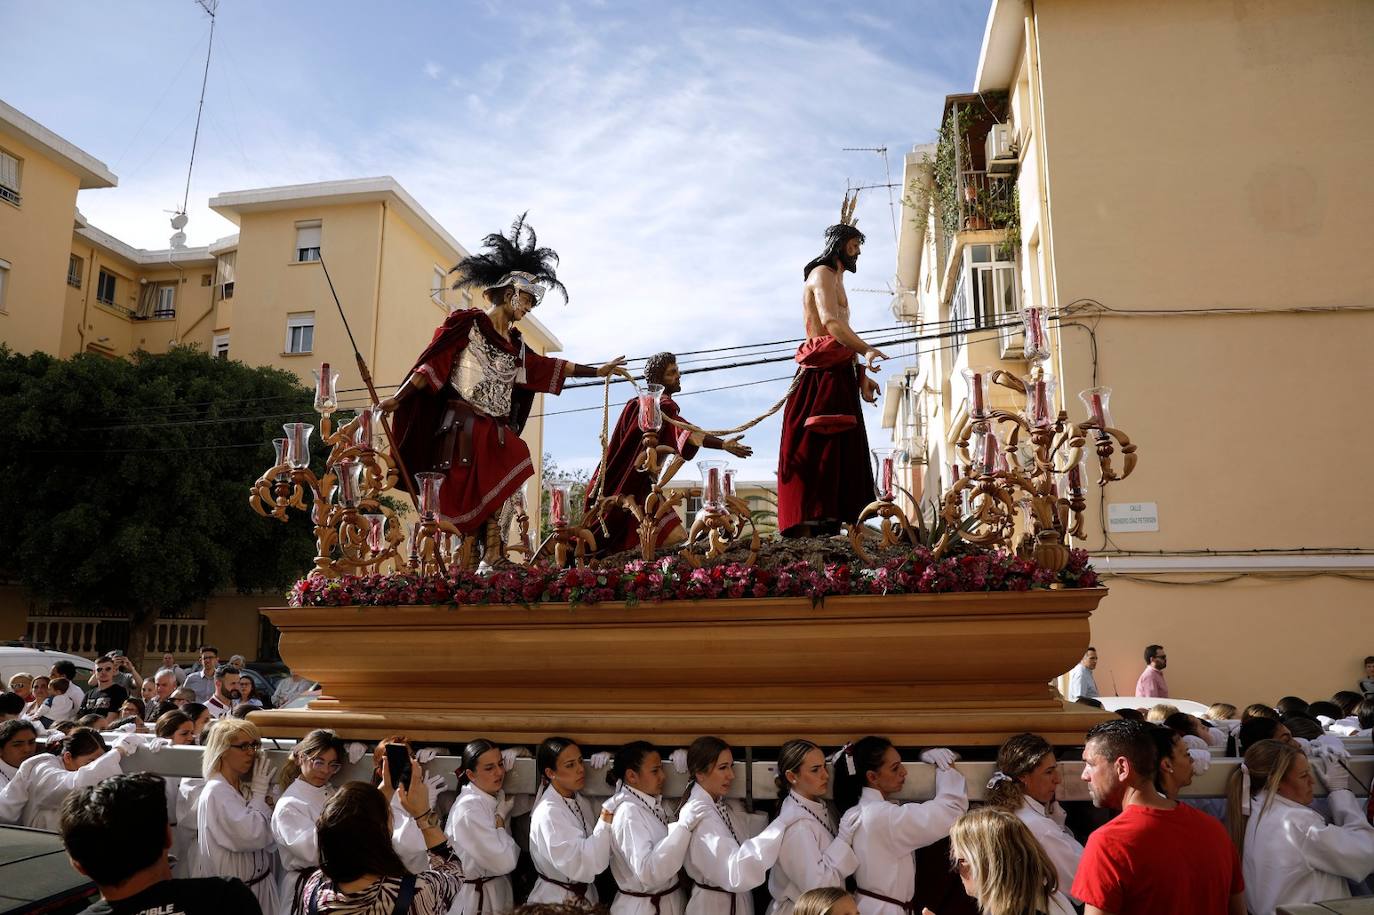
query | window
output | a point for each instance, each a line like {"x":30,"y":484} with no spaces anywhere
{"x":105,"y":288}
{"x":224,"y":274}
{"x":219,"y":346}
{"x":75,"y":267}
{"x":165,"y":305}
{"x":307,"y":241}
{"x":693,"y":508}
{"x":993,"y":286}
{"x":9,"y":178}
{"x":300,"y":332}
{"x":436,"y":288}
{"x":206,"y":279}
{"x":4,"y":282}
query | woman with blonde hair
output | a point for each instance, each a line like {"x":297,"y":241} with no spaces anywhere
{"x":1157,"y":713}
{"x":827,"y":900}
{"x":1025,"y":784}
{"x":1289,"y":853}
{"x":233,"y":819}
{"x":1003,"y":867}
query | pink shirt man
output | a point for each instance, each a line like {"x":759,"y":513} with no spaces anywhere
{"x":1151,"y":683}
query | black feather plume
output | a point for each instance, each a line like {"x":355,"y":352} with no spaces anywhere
{"x":505,"y":254}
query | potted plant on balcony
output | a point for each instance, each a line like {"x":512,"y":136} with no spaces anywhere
{"x":974,"y":216}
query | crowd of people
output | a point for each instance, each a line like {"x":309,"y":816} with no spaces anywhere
{"x":243,"y":838}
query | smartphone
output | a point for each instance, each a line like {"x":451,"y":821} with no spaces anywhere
{"x":398,"y":764}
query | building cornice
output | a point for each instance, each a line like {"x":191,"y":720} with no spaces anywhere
{"x":91,"y":171}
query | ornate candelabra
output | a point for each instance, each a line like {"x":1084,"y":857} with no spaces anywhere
{"x":721,"y":522}
{"x":1016,"y":460}
{"x":568,"y":541}
{"x":894,"y":524}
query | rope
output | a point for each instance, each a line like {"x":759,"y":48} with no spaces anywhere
{"x":595,"y":492}
{"x":721,"y":433}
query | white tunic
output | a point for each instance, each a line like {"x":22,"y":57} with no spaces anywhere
{"x":647,"y":851}
{"x":485,"y":851}
{"x":34,"y":797}
{"x":186,"y":834}
{"x":7,"y":773}
{"x":1059,"y":844}
{"x":407,"y":838}
{"x":235,"y":839}
{"x":888,"y":835}
{"x":1293,"y":856}
{"x":717,"y":858}
{"x":293,"y":828}
{"x":562,"y":847}
{"x":812,"y":856}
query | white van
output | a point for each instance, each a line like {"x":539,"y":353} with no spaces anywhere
{"x":16,"y":658}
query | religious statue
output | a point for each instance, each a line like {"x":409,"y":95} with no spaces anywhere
{"x":463,"y":406}
{"x":620,"y":476}
{"x":824,"y":475}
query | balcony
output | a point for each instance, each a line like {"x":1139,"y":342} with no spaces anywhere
{"x":969,"y":197}
{"x":91,"y":635}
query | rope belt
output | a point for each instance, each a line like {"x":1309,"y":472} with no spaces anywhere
{"x":909,"y":906}
{"x":577,"y":889}
{"x":478,"y":882}
{"x":656,"y":898}
{"x":734,"y":900}
{"x":259,"y":878}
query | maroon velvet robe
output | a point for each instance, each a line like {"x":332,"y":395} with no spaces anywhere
{"x":622,"y":479}
{"x":824,"y":473}
{"x":501,"y":460}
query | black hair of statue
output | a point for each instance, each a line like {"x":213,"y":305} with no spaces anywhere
{"x":835,"y":238}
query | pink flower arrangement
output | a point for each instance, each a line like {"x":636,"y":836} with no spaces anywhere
{"x":674,"y":579}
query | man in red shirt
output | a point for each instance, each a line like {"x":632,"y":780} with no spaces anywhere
{"x":1158,"y":855}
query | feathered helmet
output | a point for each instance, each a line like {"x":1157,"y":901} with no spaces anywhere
{"x":513,"y":259}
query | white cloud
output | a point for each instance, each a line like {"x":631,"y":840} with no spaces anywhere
{"x":433,"y":70}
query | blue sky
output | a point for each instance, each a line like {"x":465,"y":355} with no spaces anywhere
{"x":684,"y":159}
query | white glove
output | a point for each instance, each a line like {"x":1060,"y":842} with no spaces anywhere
{"x":939,"y":757}
{"x":508,"y":758}
{"x":612,"y":802}
{"x":1332,"y":774}
{"x":679,"y":760}
{"x":601,"y":760}
{"x":1193,"y":742}
{"x":1344,"y":730}
{"x":1325,"y":722}
{"x":692,"y":813}
{"x":130,"y":728}
{"x":262,"y":777}
{"x":425,"y":754}
{"x":156,"y":744}
{"x":1330,"y":745}
{"x":1202,"y":760}
{"x":504,"y":803}
{"x":1303,"y":744}
{"x":435,"y":783}
{"x":849,"y":824}
{"x":126,"y":743}
{"x":356,"y":751}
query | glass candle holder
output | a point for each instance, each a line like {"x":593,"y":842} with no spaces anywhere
{"x":560,"y":502}
{"x":727,"y":482}
{"x":1077,"y":476}
{"x":349,"y":489}
{"x":978,"y":378}
{"x":1036,"y":326}
{"x":712,"y":486}
{"x":1098,"y":402}
{"x":365,"y":435}
{"x":986,"y":453}
{"x":376,"y":532}
{"x":651,"y":408}
{"x":298,"y":444}
{"x":1040,"y":411}
{"x":885,"y":473}
{"x":430,"y":485}
{"x":326,"y":383}
{"x":279,"y":447}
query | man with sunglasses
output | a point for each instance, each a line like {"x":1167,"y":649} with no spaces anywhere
{"x":1151,"y":682}
{"x":464,"y":404}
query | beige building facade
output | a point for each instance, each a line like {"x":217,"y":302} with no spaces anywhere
{"x":259,"y":296}
{"x":1178,"y":183}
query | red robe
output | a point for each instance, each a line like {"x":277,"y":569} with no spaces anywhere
{"x":824,"y":473}
{"x":500,"y":458}
{"x":622,"y":479}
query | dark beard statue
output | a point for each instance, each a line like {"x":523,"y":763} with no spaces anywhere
{"x":836,"y":236}
{"x":849,"y":263}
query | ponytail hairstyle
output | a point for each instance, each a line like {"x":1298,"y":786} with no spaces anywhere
{"x":790,"y":759}
{"x":1258,"y":710}
{"x":546,"y":757}
{"x":701,"y":757}
{"x":1017,"y":757}
{"x":628,"y":758}
{"x":1264,"y":767}
{"x":82,"y":741}
{"x":473,"y":750}
{"x":865,"y":755}
{"x":313,"y":744}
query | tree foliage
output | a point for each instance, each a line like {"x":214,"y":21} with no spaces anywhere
{"x":130,"y":480}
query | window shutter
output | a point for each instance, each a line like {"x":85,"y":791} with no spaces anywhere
{"x":9,"y":171}
{"x":308,"y":236}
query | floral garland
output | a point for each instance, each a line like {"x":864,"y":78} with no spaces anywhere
{"x":673,"y":579}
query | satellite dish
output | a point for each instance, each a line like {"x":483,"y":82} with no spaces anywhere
{"x":179,"y":221}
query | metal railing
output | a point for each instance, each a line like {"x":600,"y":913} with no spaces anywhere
{"x":985,"y":201}
{"x":92,"y":635}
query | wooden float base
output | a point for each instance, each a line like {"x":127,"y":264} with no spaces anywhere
{"x":965,"y":669}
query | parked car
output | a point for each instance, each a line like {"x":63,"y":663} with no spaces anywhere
{"x":35,"y":875}
{"x":20,"y":657}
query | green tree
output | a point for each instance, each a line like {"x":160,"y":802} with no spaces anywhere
{"x":131,"y":476}
{"x":577,"y":502}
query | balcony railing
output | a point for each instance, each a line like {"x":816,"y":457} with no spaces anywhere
{"x":93,"y":635}
{"x":985,"y":201}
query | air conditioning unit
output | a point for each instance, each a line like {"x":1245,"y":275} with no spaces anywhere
{"x":1001,"y":154}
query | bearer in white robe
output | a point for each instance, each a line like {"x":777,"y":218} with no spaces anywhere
{"x":814,"y":854}
{"x":886,"y":834}
{"x":569,"y":842}
{"x":478,"y":831}
{"x":235,"y":823}
{"x":724,"y":869}
{"x":314,"y":762}
{"x":647,"y":847}
{"x":34,"y":796}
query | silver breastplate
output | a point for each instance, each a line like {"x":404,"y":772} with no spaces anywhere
{"x":484,"y":374}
